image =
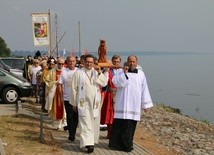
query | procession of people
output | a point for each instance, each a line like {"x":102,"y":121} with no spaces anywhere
{"x":92,"y":92}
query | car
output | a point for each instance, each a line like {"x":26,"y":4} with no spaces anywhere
{"x":13,"y":87}
{"x":4,"y":66}
{"x":13,"y":65}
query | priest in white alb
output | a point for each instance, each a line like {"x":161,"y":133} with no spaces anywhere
{"x":131,"y":97}
{"x":86,"y":98}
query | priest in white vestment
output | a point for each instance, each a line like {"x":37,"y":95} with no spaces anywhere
{"x":86,"y":98}
{"x":131,"y":97}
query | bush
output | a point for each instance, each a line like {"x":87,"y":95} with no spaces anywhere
{"x":4,"y":50}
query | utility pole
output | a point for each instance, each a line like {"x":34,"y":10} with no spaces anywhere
{"x":80,"y":52}
{"x":57,"y":47}
{"x":50,"y":35}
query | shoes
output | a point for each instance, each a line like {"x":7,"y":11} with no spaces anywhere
{"x":44,"y":111}
{"x":71,"y":138}
{"x":103,"y":127}
{"x":36,"y":101}
{"x":90,"y":148}
{"x":128,"y":149}
{"x":65,"y":128}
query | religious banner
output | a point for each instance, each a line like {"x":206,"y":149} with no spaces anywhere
{"x":40,"y":23}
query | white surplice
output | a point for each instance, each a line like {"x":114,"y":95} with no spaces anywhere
{"x":132,"y":95}
{"x":85,"y":94}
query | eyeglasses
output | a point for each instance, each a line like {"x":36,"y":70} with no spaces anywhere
{"x":90,"y":62}
{"x":60,"y":63}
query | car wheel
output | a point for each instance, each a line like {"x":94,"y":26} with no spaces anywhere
{"x":10,"y":95}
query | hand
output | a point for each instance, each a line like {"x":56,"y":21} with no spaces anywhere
{"x":81,"y":65}
{"x":147,"y":109}
{"x":98,"y":69}
{"x":125,"y":69}
{"x":105,"y":70}
{"x":75,"y":108}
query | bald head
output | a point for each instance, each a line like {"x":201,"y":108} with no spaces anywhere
{"x":131,"y":57}
{"x":61,"y":60}
{"x":70,"y":57}
{"x":132,"y":62}
{"x":71,"y":62}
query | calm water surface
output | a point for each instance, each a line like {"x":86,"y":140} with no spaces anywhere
{"x":183,"y":81}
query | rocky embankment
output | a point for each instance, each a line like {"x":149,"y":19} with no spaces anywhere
{"x":177,"y":132}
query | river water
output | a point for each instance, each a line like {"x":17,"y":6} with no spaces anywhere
{"x":183,"y":81}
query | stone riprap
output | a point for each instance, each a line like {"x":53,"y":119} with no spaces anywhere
{"x":178,"y":132}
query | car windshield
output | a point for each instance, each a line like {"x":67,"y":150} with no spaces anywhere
{"x":4,"y":66}
{"x":14,"y":63}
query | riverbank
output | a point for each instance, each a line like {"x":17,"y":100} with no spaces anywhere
{"x":161,"y":131}
{"x":172,"y":131}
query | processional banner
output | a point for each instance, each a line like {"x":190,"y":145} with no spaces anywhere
{"x":40,"y":24}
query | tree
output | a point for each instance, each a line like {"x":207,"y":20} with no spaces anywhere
{"x":4,"y":50}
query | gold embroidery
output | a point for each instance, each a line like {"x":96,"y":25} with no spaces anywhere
{"x":90,"y":77}
{"x":97,"y":104}
{"x":81,"y":102}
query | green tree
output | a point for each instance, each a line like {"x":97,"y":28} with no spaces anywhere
{"x":4,"y":50}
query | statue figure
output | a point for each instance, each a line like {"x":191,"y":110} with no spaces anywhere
{"x":102,"y":52}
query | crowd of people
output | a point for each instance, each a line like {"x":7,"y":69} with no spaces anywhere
{"x":79,"y":93}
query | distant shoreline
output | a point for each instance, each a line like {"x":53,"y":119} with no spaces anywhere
{"x":111,"y":53}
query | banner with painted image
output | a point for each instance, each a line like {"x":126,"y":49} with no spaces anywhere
{"x":40,"y":23}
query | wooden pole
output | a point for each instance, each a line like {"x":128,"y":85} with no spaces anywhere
{"x":41,"y":135}
{"x":57,"y":47}
{"x":50,"y":35}
{"x":80,"y":53}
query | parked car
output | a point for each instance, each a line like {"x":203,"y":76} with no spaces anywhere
{"x":13,"y":87}
{"x":4,"y":66}
{"x":13,"y":65}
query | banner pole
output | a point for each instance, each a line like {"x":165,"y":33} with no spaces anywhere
{"x":50,"y":36}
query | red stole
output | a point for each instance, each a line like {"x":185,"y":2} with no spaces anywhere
{"x":107,"y":111}
{"x":58,"y":102}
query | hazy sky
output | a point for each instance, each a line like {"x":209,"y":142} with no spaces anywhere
{"x":127,"y":25}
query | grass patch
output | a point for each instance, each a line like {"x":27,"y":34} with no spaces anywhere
{"x":178,"y":111}
{"x":21,"y":134}
{"x":206,"y":122}
{"x":170,"y":109}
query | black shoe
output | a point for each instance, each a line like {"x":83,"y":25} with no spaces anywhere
{"x":65,"y":128}
{"x":44,"y":111}
{"x":103,"y":128}
{"x":128,"y":149}
{"x":71,"y":138}
{"x":90,"y":148}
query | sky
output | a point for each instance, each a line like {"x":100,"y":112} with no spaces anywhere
{"x":126,"y":25}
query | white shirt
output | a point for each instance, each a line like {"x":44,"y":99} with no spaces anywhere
{"x":33,"y":72}
{"x":132,"y":95}
{"x":66,"y":79}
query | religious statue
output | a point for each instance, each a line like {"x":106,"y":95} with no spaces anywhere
{"x":102,"y":52}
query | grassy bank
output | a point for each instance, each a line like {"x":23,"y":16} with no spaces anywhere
{"x":20,"y":134}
